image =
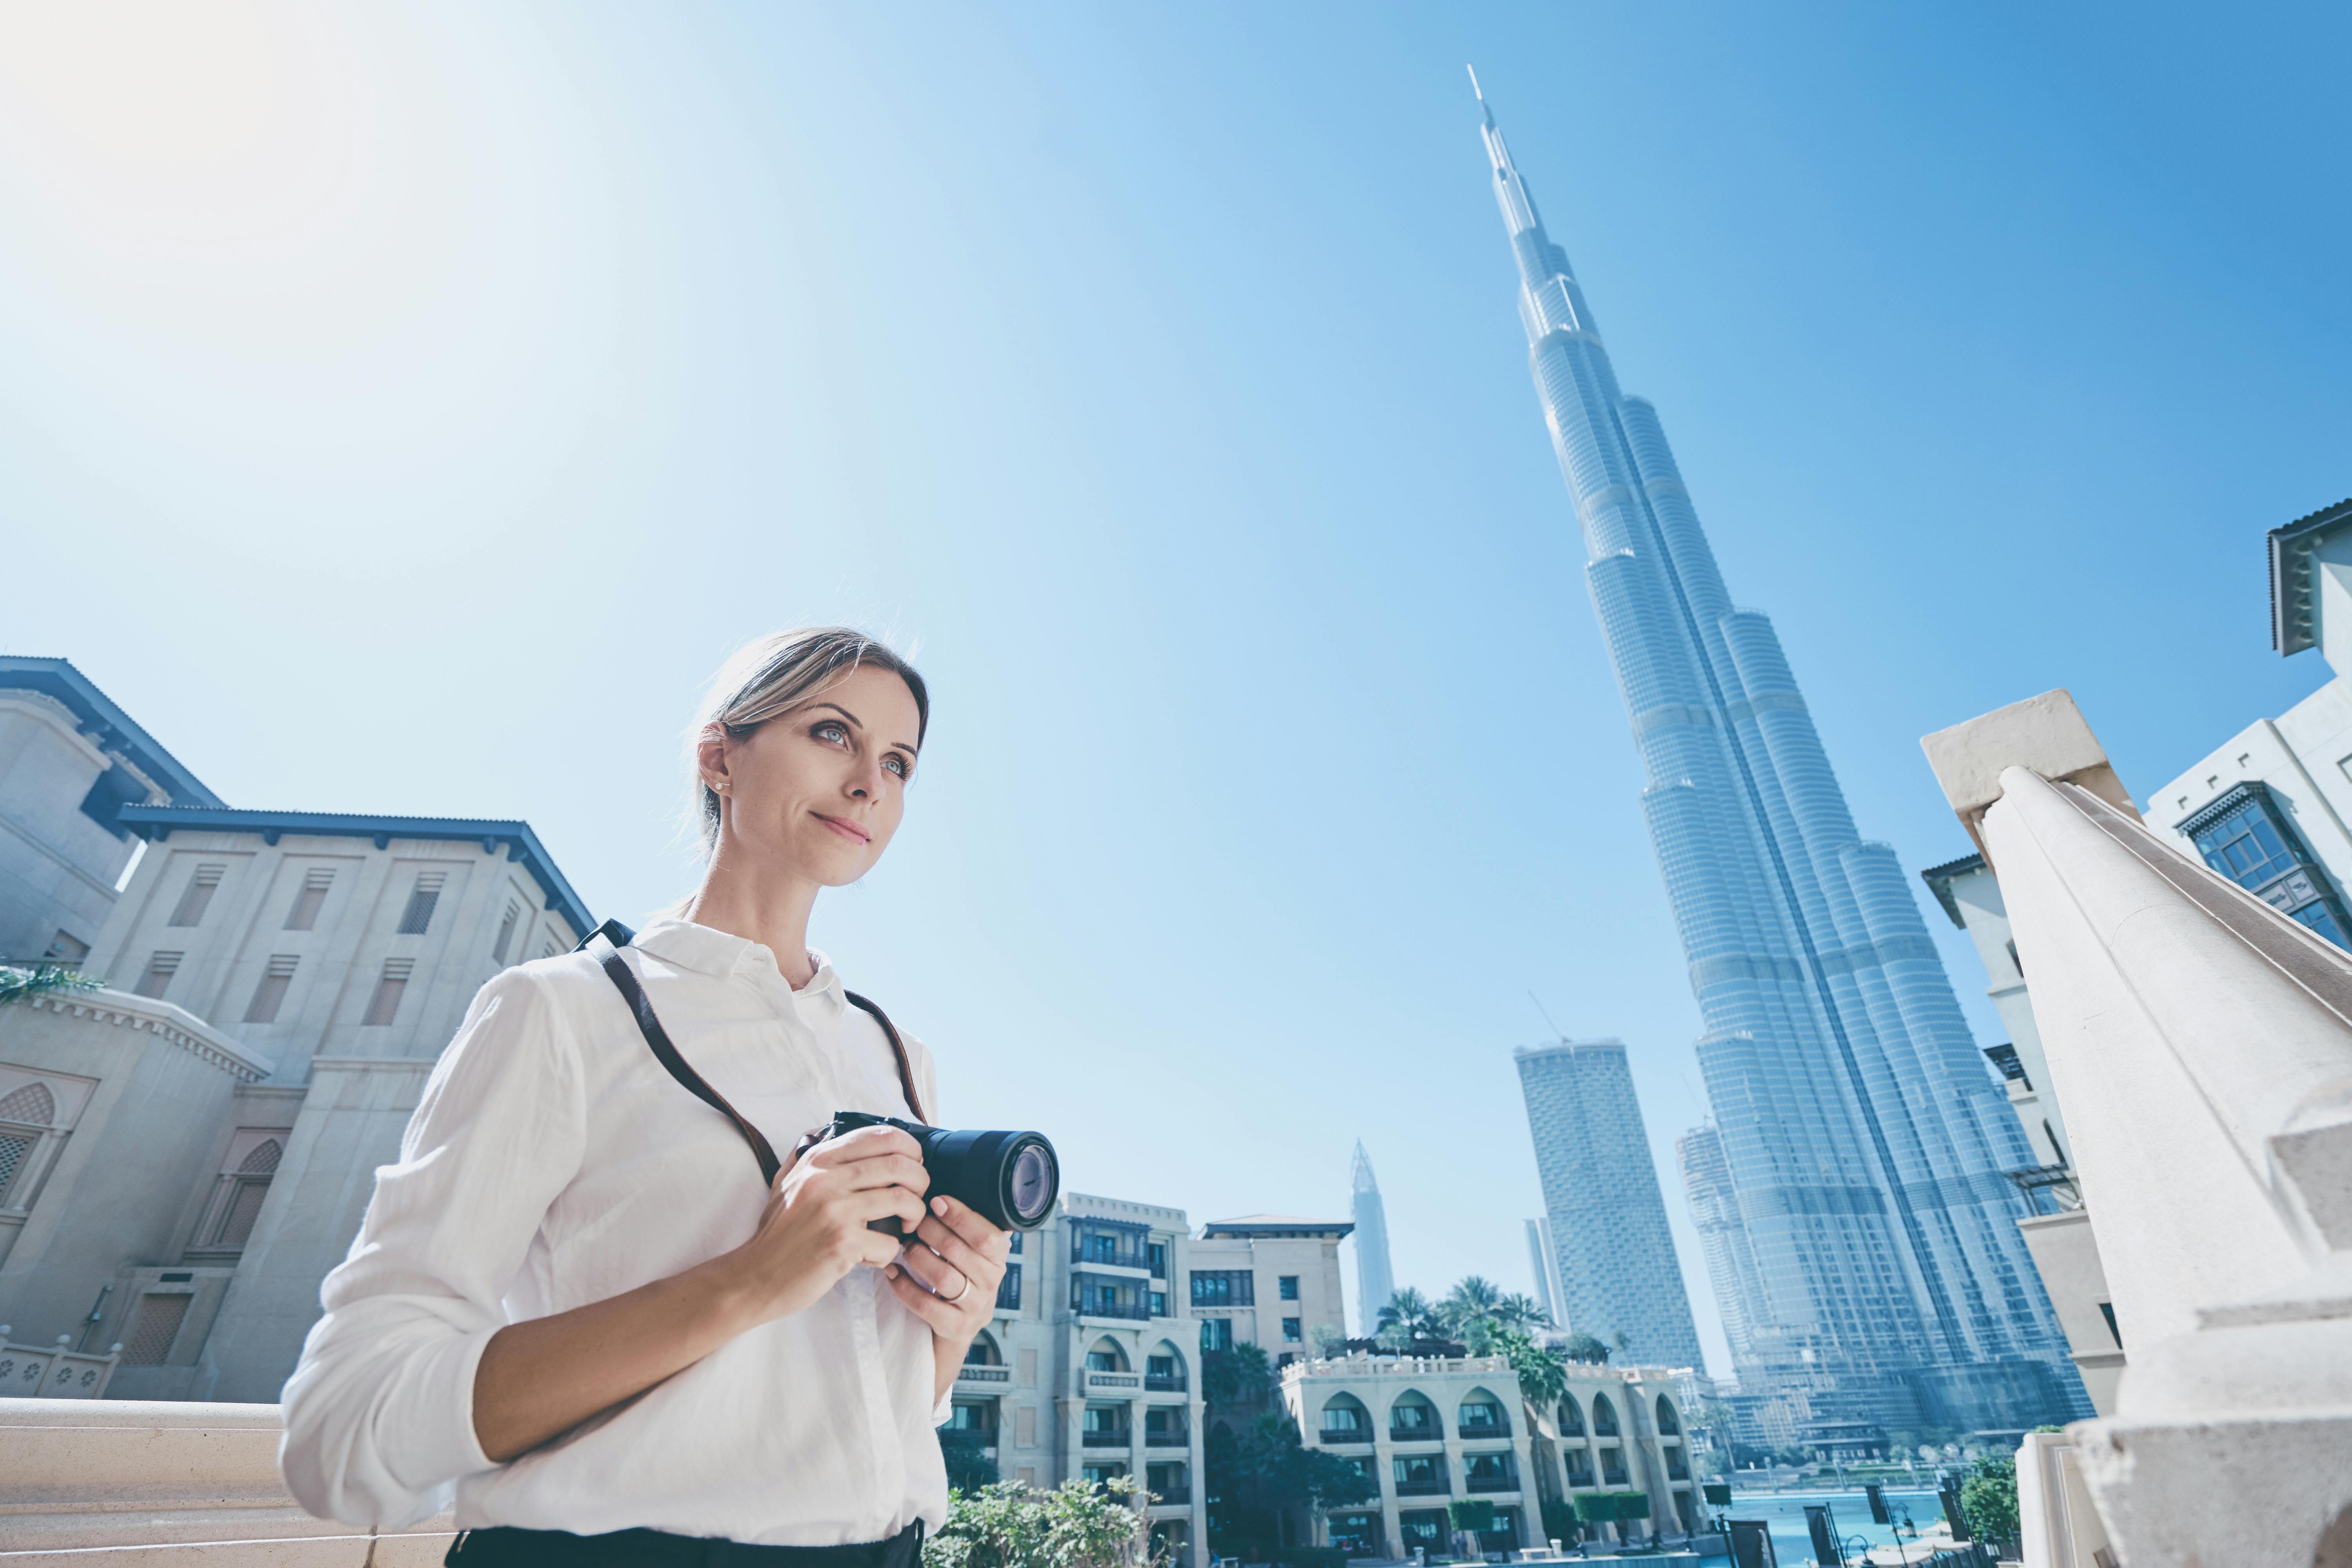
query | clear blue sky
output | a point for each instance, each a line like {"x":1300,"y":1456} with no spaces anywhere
{"x":406,"y":410}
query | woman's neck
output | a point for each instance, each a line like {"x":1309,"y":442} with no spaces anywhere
{"x":758,"y":904}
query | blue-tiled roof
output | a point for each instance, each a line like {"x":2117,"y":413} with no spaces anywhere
{"x":59,"y":680}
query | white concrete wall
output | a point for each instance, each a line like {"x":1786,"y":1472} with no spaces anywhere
{"x":57,"y":866}
{"x":169,"y":1485}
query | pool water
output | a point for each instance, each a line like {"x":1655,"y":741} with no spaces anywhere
{"x":1783,"y":1514}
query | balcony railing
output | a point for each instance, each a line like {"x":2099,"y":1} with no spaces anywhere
{"x":1167,"y":1439}
{"x":1140,"y":1311}
{"x":1168,"y":1497}
{"x":1121,"y":1380}
{"x":1156,"y":1383}
{"x":1118,"y":1437}
{"x":1416,"y":1433}
{"x":1433,"y":1486}
{"x":1472,"y":1431}
{"x":1342,"y":1437}
{"x":971,"y":1372}
{"x":1492,"y":1484}
{"x":1612,"y":1474}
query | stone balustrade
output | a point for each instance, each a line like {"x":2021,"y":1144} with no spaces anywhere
{"x":85,"y":1482}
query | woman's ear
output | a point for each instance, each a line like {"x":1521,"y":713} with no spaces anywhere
{"x":711,"y":758}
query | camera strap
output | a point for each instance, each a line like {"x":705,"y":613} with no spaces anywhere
{"x":641,"y":1008}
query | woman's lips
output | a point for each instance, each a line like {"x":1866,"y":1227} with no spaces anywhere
{"x":847,"y":828}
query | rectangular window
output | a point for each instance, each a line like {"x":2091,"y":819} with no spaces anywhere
{"x":1008,"y":1290}
{"x":1216,"y":1334}
{"x":418,"y":915}
{"x":310,"y":898}
{"x":161,"y":967}
{"x":1290,"y":1329}
{"x":1288,"y":1284}
{"x":506,"y":931}
{"x":384,"y":1006}
{"x":199,"y":896}
{"x":1025,"y":1427}
{"x":271,"y":992}
{"x":1159,"y":1303}
{"x":1158,"y":1253}
{"x":1224,"y":1287}
{"x":67,"y":948}
{"x":152,"y":1332}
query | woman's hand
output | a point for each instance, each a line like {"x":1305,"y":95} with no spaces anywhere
{"x":960,"y":1257}
{"x":815,"y":1228}
{"x":545,"y":1375}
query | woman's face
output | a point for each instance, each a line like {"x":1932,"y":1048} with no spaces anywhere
{"x":818,"y":790}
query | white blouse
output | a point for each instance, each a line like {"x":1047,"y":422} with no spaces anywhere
{"x":553,"y":1163}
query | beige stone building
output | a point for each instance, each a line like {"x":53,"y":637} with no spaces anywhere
{"x":1430,"y":1430}
{"x":1270,"y":1281}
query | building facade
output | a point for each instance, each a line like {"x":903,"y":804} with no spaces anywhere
{"x":1375,"y":1281}
{"x":1270,"y":1281}
{"x":1543,"y":1265}
{"x":1863,"y":1135}
{"x":186,"y":1152}
{"x":1614,"y":1257}
{"x":1091,"y":1368}
{"x":69,"y":760}
{"x":2270,"y":807}
{"x":1432,"y":1430}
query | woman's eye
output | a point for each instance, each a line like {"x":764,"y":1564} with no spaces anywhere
{"x":830,"y":732}
{"x":896,"y":765}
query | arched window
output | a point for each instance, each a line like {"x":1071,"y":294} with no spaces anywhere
{"x":1572,"y":1418}
{"x":1164,"y":1369}
{"x":1107,"y":1356}
{"x":1482,"y":1416}
{"x":1667,"y":1425}
{"x":248,"y":1185}
{"x":984,"y":1351}
{"x":30,"y":1110}
{"x":1604,"y":1417}
{"x":1413,"y":1419}
{"x":32,"y":1105}
{"x":1345,"y":1420}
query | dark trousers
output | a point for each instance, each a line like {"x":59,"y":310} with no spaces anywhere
{"x":505,"y":1547}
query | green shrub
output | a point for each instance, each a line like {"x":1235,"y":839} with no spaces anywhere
{"x":1988,"y":1498}
{"x":1076,"y":1525}
{"x":1559,"y":1521}
{"x":1470,"y":1514}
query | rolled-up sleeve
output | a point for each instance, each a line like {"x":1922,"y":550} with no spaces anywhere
{"x":380,"y":1412}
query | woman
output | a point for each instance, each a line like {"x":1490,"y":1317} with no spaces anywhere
{"x":576,"y":1297}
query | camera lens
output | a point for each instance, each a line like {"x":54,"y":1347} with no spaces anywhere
{"x":1030,"y":1185}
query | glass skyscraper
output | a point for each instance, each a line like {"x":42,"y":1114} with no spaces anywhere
{"x":1614,"y":1257}
{"x":1862,"y":1137}
{"x":1375,"y":1283}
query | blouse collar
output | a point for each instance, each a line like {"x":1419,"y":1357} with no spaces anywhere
{"x":723,"y":955}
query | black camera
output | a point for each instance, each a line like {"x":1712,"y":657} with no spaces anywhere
{"x":1009,"y":1179}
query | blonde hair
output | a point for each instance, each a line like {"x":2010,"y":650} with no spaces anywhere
{"x":776,"y":674}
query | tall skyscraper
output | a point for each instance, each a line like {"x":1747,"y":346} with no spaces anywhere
{"x":1374,"y":1282}
{"x":1722,"y":1238}
{"x":1613,"y":1258}
{"x":1864,"y":1137}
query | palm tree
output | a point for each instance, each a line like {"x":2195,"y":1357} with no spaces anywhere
{"x":1409,"y":1316}
{"x":16,"y":983}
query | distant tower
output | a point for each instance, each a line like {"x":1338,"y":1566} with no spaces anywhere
{"x":1540,"y":1260}
{"x":1374,"y":1282}
{"x":1722,"y":1239}
{"x":1617,"y":1272}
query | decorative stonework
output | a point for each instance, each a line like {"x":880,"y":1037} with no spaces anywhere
{"x":131,"y":1012}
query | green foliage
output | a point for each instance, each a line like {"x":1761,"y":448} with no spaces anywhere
{"x":1598,"y":1508}
{"x":1470,"y":1514}
{"x":1988,"y":1498}
{"x":1542,"y":1374}
{"x":1008,"y":1525}
{"x":1329,"y":1340}
{"x":1242,"y":1375}
{"x":966,"y":1453}
{"x":1477,"y":1310}
{"x":1409,"y":1316}
{"x":1254,"y":1478}
{"x":16,"y":984}
{"x":1559,"y":1521}
{"x":1585,"y":1348}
